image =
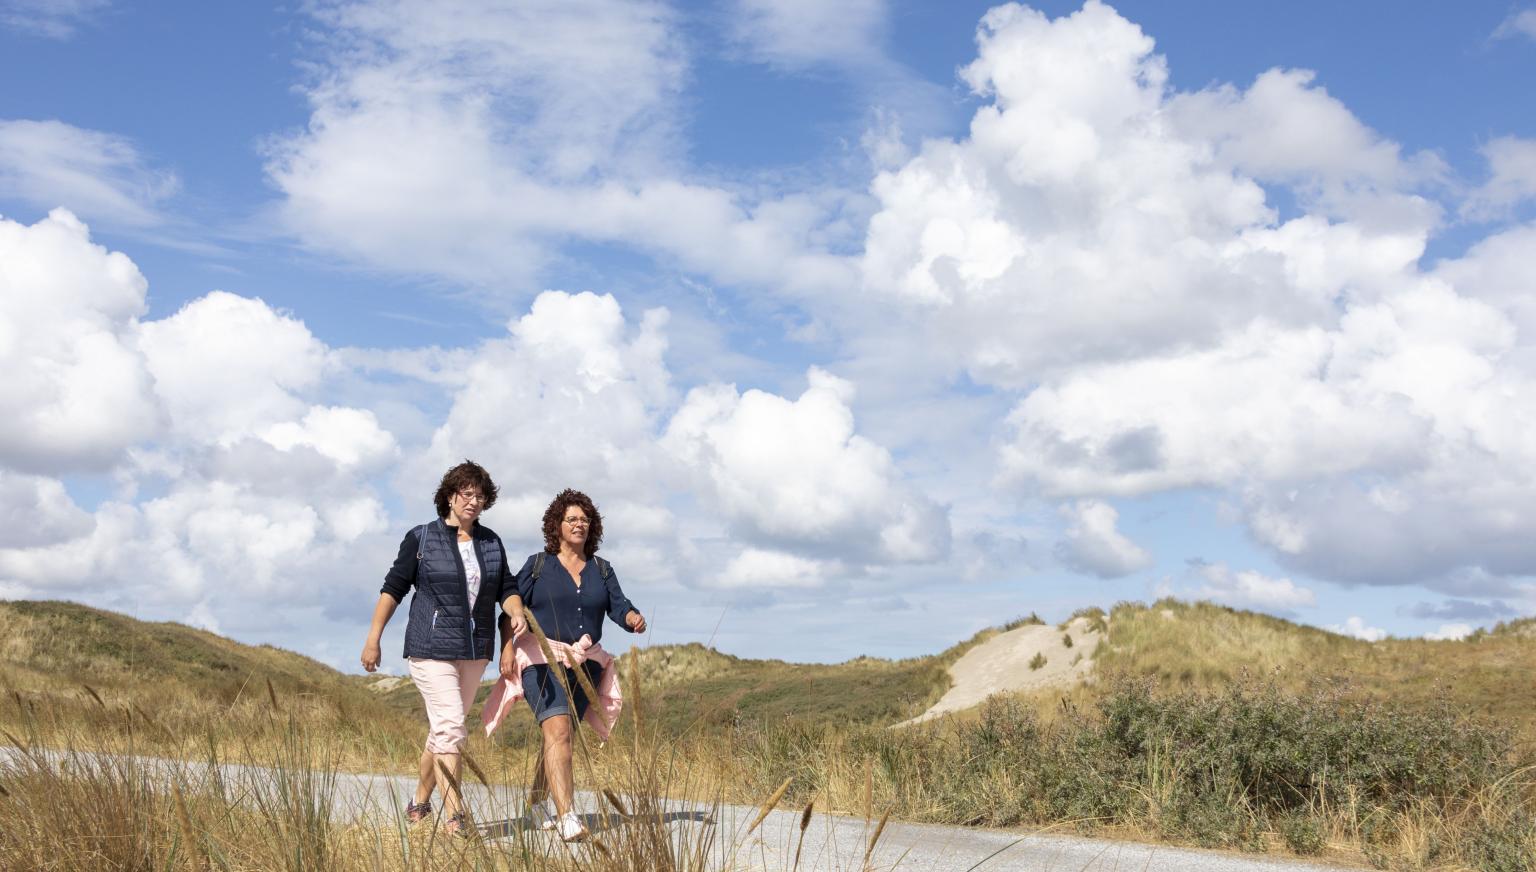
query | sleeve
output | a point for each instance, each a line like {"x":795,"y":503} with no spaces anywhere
{"x":398,"y":581}
{"x":521,"y":584}
{"x":618,"y":604}
{"x":508,"y":583}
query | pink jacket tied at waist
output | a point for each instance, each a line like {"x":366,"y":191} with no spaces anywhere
{"x":602,"y":713}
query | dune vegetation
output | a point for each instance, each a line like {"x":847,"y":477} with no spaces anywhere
{"x":1203,"y":725}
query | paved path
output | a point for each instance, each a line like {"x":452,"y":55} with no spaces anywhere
{"x":831,"y":843}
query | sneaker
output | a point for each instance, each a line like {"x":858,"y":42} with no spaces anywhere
{"x":416,"y":812}
{"x":571,"y":828}
{"x":543,"y":814}
{"x":458,"y":825}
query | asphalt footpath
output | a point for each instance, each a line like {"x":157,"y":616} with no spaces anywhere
{"x":833,"y":843}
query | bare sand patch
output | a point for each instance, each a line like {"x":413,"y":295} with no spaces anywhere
{"x":386,"y":683}
{"x":1002,"y":665}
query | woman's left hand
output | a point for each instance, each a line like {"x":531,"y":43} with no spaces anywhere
{"x":635,"y":620}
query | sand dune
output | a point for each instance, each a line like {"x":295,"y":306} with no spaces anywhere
{"x":1001,"y":665}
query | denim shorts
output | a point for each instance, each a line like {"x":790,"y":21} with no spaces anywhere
{"x":547,"y":697}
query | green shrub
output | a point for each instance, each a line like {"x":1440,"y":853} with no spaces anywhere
{"x":1218,"y":769}
{"x":1301,"y":833}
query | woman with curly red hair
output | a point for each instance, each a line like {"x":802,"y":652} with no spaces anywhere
{"x":568,"y":589}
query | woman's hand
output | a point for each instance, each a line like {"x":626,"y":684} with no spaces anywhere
{"x":519,"y":623}
{"x":635,"y":620}
{"x":370,"y":656}
{"x":508,"y":665}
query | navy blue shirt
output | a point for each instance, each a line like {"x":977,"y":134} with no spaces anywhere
{"x":565,"y":612}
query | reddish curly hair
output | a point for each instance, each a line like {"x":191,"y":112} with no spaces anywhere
{"x":556,"y":513}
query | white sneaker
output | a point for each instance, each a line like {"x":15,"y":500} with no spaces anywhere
{"x":571,"y":828}
{"x":543,"y":813}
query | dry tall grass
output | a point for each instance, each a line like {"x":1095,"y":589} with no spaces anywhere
{"x":95,"y":802}
{"x":78,"y":794}
{"x":1202,"y":645}
{"x":1181,"y":760}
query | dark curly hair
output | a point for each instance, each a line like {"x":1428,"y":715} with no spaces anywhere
{"x":556,"y":513}
{"x":468,"y":474}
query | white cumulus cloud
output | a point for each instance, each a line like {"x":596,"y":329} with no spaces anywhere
{"x":470,"y":140}
{"x":1249,"y":588}
{"x":796,"y":472}
{"x":229,"y":366}
{"x":757,"y":568}
{"x":1356,"y":627}
{"x":1092,"y":543}
{"x":1102,"y":247}
{"x":256,"y":488}
{"x":1450,"y":632}
{"x":77,"y":392}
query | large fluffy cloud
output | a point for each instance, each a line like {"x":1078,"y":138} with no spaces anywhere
{"x":577,"y":395}
{"x":469,"y":141}
{"x":1248,"y":588}
{"x":229,"y":366}
{"x":1093,"y":544}
{"x":77,"y":392}
{"x":571,"y":397}
{"x":253,"y":488}
{"x":1091,"y":217}
{"x":795,"y":472}
{"x":1106,"y":247}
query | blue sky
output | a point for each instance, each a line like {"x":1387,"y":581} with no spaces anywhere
{"x":867,"y":325}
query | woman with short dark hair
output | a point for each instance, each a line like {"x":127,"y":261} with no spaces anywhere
{"x":568,"y":589}
{"x":458,"y":568}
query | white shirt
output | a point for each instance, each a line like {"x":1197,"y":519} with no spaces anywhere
{"x":471,"y":569}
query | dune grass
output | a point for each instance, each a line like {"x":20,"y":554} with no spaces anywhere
{"x":76,"y":797}
{"x":1202,"y":645}
{"x":1253,"y":767}
{"x":1205,"y":726}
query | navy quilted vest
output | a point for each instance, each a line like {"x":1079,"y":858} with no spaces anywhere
{"x":442,"y":626}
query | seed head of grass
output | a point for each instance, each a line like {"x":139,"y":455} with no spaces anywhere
{"x":768,"y":804}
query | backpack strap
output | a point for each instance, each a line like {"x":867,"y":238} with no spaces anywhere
{"x":538,"y":566}
{"x":604,"y":567}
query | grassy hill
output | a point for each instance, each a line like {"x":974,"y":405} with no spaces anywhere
{"x":692,"y":688}
{"x":44,"y":642}
{"x":1204,"y":725}
{"x":54,"y":651}
{"x":1205,"y":646}
{"x":76,"y":671}
{"x":71,"y":664}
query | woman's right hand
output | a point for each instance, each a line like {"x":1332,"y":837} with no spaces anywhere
{"x":370,"y":655}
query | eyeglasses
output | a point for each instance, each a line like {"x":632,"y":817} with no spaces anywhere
{"x":471,"y":496}
{"x":578,"y":522}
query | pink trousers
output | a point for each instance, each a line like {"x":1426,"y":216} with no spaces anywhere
{"x":448,"y":690}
